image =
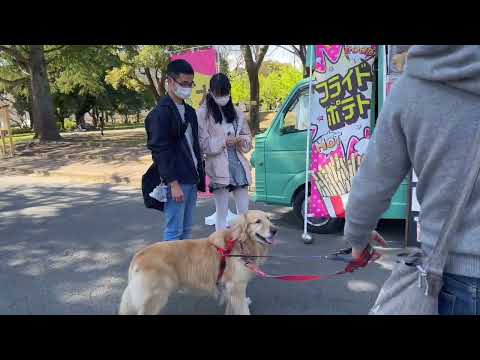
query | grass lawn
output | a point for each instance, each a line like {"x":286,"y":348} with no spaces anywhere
{"x":18,"y":138}
{"x":136,"y":140}
{"x":123,"y":126}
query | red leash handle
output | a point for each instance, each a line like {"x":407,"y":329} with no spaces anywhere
{"x":368,"y":254}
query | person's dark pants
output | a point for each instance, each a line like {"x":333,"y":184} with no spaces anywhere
{"x":460,"y":295}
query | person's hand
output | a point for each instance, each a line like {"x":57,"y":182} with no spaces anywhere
{"x":177,"y":193}
{"x":375,"y":237}
{"x":231,"y":140}
{"x":239,"y":141}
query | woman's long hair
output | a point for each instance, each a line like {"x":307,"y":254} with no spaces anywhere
{"x":220,"y":85}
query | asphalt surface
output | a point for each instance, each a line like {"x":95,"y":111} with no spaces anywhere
{"x":65,"y":249}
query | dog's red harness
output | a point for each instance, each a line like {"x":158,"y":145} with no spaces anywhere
{"x":369,"y":254}
{"x":224,"y":253}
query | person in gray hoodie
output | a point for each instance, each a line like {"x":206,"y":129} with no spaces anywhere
{"x":428,"y":122}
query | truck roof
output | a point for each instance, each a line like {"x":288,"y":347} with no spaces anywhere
{"x":304,"y":82}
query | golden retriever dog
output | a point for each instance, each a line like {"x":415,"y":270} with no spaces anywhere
{"x":163,"y":268}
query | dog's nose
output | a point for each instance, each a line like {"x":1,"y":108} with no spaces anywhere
{"x":273,"y":230}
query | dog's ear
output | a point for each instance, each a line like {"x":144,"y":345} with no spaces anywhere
{"x":240,"y":226}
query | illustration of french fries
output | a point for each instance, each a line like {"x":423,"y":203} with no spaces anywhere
{"x":335,"y":178}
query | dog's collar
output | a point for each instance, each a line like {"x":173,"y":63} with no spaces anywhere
{"x":230,"y":244}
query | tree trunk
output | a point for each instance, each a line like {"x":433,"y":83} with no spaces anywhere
{"x":94,"y":116}
{"x":102,"y":122}
{"x":253,"y":66}
{"x":151,"y":83}
{"x":30,"y":110}
{"x":306,"y":72}
{"x":61,"y":119}
{"x":161,"y":87}
{"x":80,"y":118}
{"x":30,"y":115}
{"x":303,"y":57}
{"x":254,"y":102}
{"x":42,"y":102}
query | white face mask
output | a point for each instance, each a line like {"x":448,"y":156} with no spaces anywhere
{"x":222,"y":100}
{"x":182,"y":92}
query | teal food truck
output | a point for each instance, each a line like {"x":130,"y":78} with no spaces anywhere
{"x":280,"y":153}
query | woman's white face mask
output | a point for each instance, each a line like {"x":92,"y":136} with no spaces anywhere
{"x":221,"y":100}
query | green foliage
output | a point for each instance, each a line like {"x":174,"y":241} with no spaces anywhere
{"x":70,"y":125}
{"x":94,"y":78}
{"x":224,"y":68}
{"x":81,"y":70}
{"x":80,"y":82}
{"x":240,"y":87}
{"x":276,"y":82}
{"x":15,"y":81}
{"x":270,"y":66}
{"x":136,"y":60}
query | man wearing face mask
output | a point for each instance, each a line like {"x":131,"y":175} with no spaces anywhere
{"x":172,"y":137}
{"x":224,"y":138}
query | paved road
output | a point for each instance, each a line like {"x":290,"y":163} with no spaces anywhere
{"x":65,"y":249}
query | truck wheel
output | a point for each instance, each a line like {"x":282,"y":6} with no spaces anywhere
{"x":315,"y":225}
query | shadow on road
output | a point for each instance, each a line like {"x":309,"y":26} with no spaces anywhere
{"x":66,"y":250}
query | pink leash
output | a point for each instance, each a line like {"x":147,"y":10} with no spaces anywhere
{"x":369,"y":254}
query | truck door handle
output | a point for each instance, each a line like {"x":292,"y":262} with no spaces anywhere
{"x":260,"y":163}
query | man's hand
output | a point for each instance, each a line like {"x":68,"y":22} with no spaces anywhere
{"x":374,"y":237}
{"x":177,"y":193}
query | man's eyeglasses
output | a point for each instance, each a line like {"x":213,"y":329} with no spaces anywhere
{"x":190,"y":85}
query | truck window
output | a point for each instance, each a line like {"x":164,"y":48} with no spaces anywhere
{"x":296,"y":118}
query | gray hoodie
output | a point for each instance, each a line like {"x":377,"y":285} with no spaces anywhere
{"x":429,"y":122}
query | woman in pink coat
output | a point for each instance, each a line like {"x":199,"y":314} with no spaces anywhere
{"x":224,"y":139}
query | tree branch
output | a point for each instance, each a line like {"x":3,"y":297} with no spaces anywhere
{"x":55,"y":49}
{"x":286,"y":49}
{"x":247,"y":55}
{"x":14,"y":82}
{"x":261,"y":56}
{"x":140,"y":81}
{"x":17,"y":55}
{"x":4,"y":98}
{"x":151,"y":83}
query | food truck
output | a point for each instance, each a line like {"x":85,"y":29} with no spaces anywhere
{"x":350,"y":83}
